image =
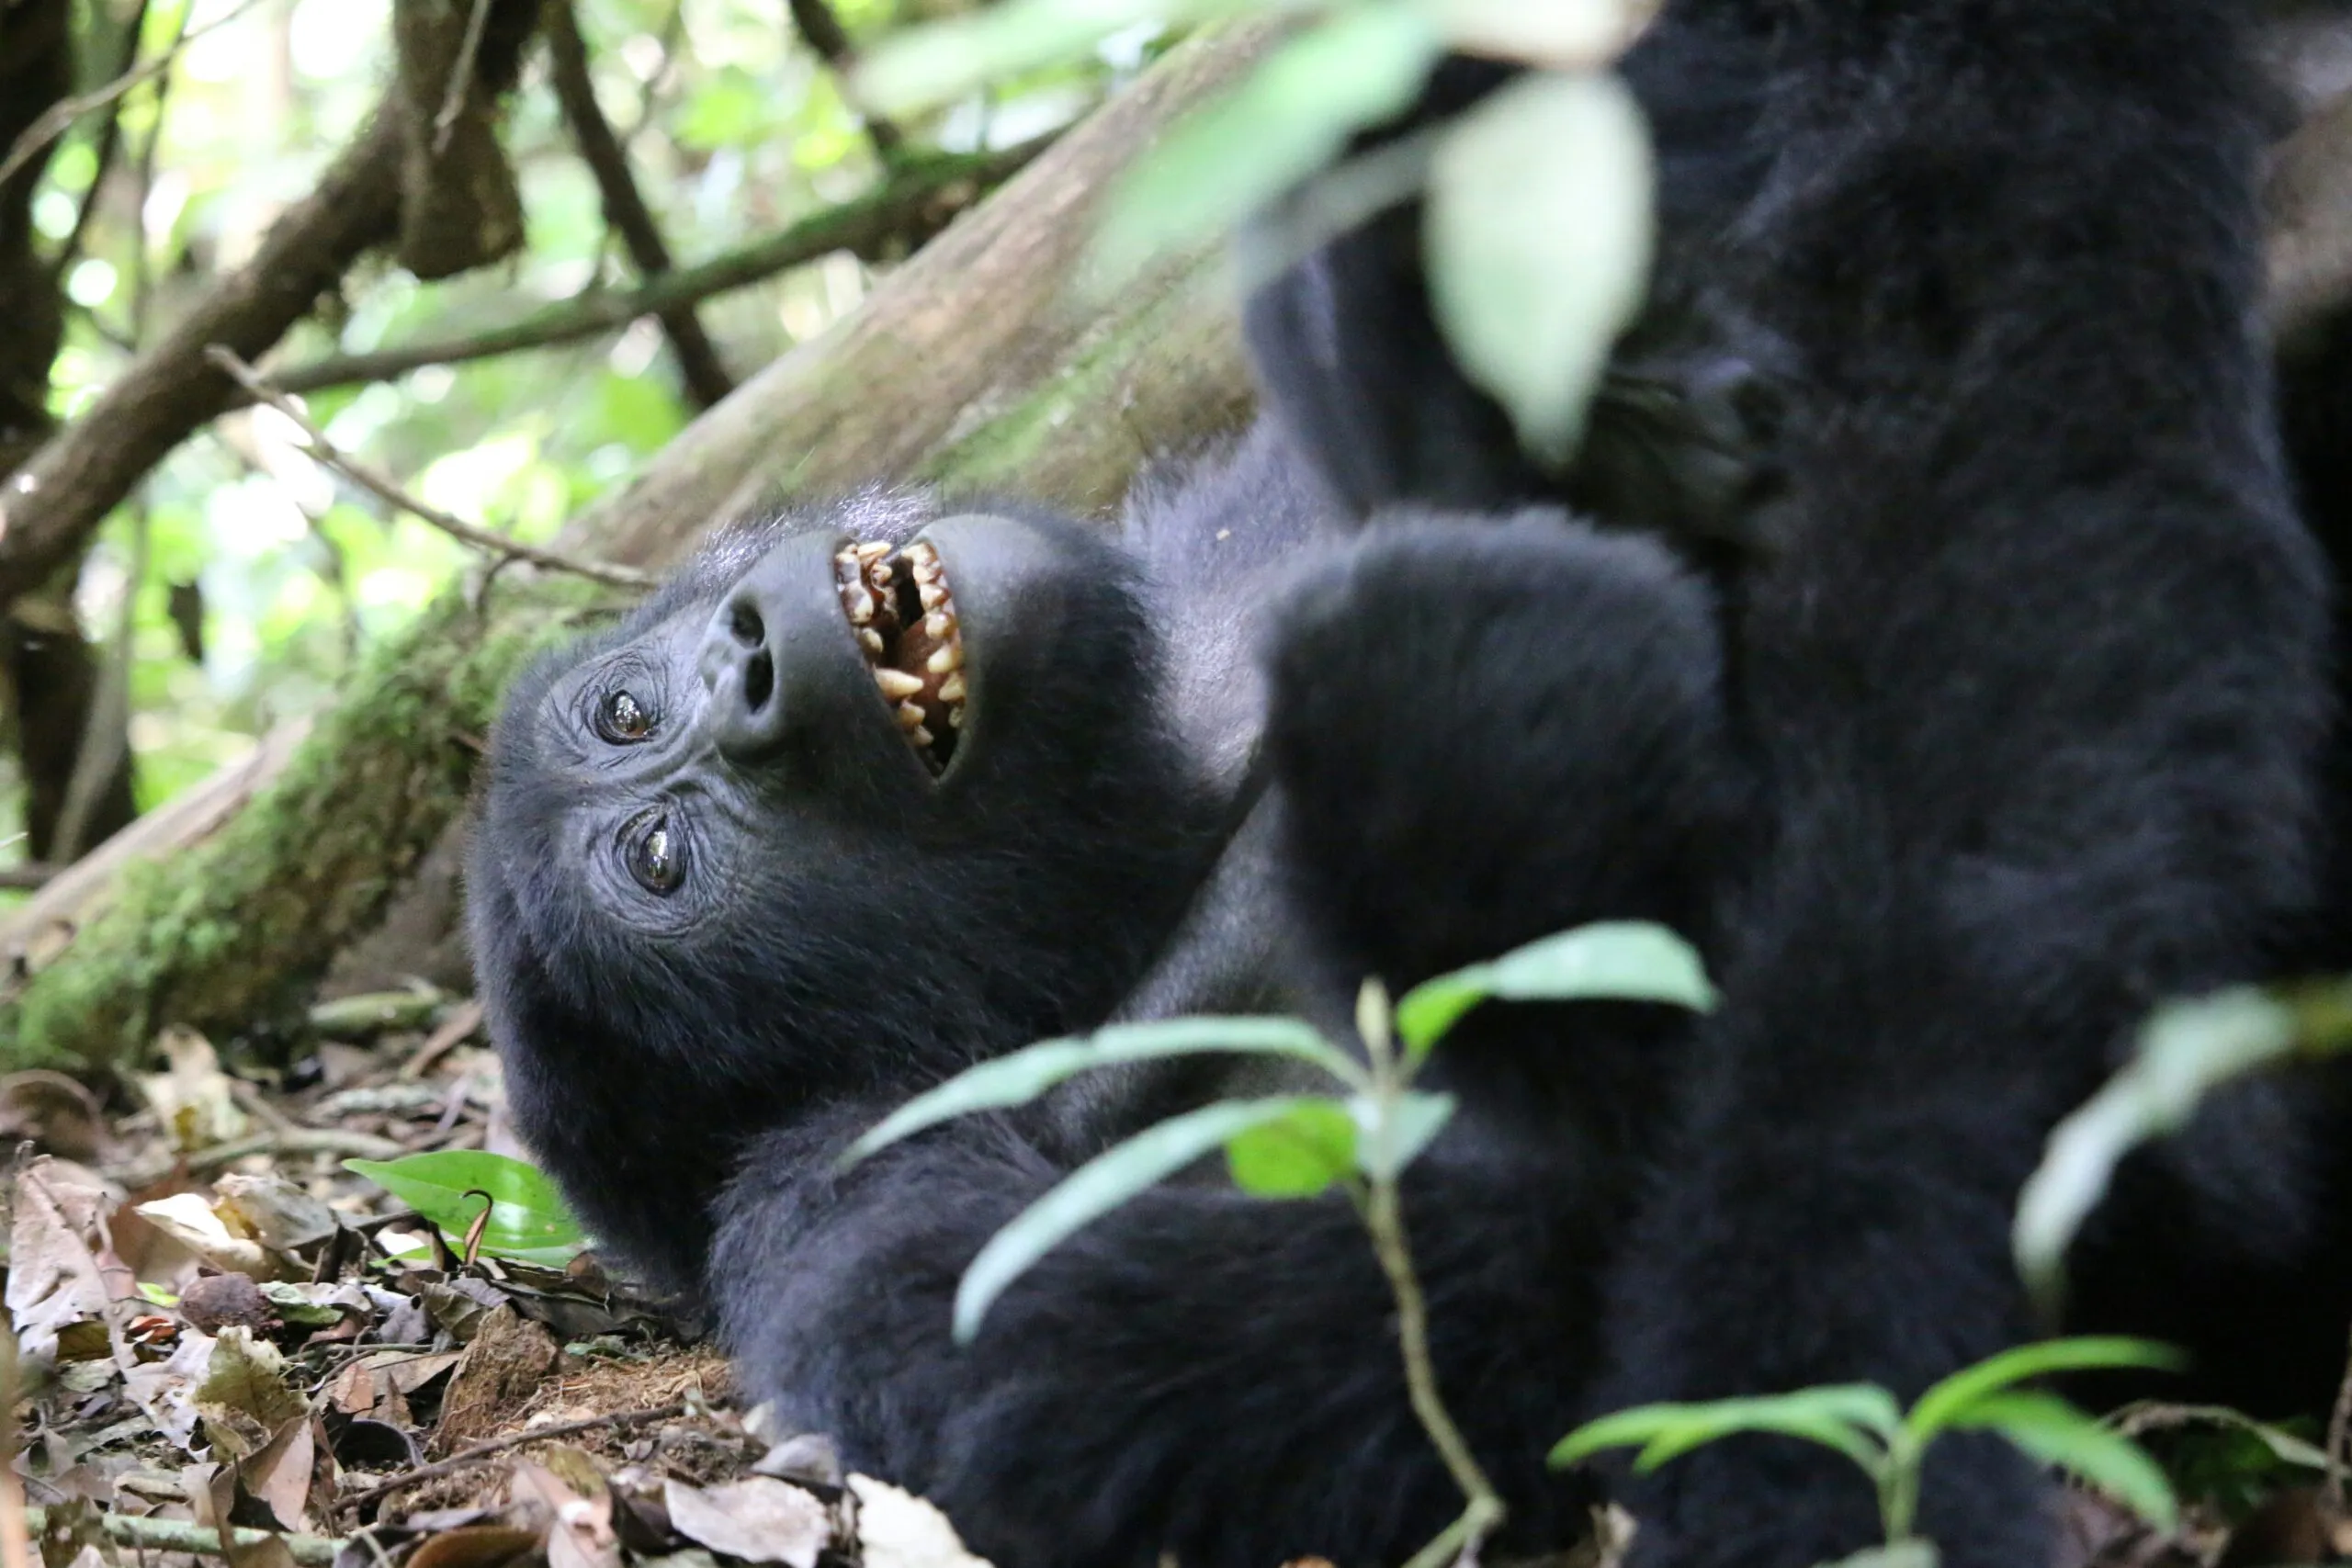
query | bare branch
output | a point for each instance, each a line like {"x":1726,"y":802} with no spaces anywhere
{"x":110,"y":141}
{"x":698,"y":362}
{"x":919,"y":198}
{"x":823,"y":30}
{"x":53,"y":125}
{"x":385,"y":490}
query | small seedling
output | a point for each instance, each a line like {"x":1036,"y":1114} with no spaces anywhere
{"x":527,"y":1220}
{"x":1890,"y":1444}
{"x":1299,"y":1145}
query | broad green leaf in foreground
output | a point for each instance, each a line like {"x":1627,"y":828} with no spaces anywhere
{"x":1415,"y":1117}
{"x":1948,"y":1402}
{"x":2061,"y":1435}
{"x":1288,"y":118}
{"x":527,"y":1221}
{"x":1102,"y":1184}
{"x":930,"y":65}
{"x":1296,"y":1155}
{"x":2186,"y":1049}
{"x":1854,"y":1418}
{"x":1022,"y":1076}
{"x":1606,"y":961}
{"x":1538,"y":230}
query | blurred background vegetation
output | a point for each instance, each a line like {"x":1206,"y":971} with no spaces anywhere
{"x":239,"y":581}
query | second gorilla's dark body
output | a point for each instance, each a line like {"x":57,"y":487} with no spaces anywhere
{"x":2017,"y":733}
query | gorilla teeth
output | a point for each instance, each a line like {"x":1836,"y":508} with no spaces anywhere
{"x":898,"y":604}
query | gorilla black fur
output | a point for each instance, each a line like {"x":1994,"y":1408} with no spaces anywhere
{"x":2031,"y":681}
{"x":1999,"y":719}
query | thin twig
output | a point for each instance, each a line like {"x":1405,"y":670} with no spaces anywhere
{"x":461,"y":78}
{"x":65,"y":111}
{"x":822,"y":31}
{"x":383,"y":489}
{"x":290,"y":1141}
{"x":625,"y":209}
{"x":106,"y":736}
{"x":464,"y":1457}
{"x":110,"y":141}
{"x":919,"y":194}
{"x":2339,"y":1432}
{"x":142,"y":1533}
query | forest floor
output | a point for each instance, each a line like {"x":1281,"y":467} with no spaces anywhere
{"x":222,"y":1325}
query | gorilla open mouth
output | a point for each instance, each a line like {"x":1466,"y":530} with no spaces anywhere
{"x":897,"y":603}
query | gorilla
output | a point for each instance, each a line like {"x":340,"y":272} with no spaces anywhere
{"x":2030,"y":676}
{"x":1958,"y":677}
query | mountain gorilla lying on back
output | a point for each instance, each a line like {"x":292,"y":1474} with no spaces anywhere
{"x":868,"y":795}
{"x":1999,"y":725}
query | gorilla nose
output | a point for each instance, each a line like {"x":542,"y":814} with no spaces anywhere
{"x":739,"y":670}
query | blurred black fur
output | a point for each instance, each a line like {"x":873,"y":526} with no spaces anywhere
{"x":2030,"y":676}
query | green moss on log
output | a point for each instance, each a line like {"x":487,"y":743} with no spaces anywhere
{"x":230,"y":933}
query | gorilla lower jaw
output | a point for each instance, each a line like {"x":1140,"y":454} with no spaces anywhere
{"x":898,"y":604}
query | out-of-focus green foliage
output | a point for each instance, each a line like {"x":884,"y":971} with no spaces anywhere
{"x":734,"y":129}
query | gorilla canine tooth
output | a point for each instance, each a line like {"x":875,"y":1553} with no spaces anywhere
{"x":951,"y":690}
{"x":897,"y":683}
{"x":946,"y":659}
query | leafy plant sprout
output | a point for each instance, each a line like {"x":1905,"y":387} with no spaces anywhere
{"x":1546,"y":181}
{"x":1890,"y":1444}
{"x":1299,"y":1145}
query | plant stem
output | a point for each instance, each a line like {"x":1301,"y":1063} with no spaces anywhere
{"x":1383,"y":1217}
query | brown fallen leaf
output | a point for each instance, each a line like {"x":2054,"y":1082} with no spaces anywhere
{"x":898,"y":1529}
{"x":759,"y":1520}
{"x":244,"y":1397}
{"x":54,"y":1276}
{"x":581,"y":1535}
{"x":474,"y":1546}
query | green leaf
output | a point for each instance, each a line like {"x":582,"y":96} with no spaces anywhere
{"x":1022,"y":1076}
{"x":2059,"y":1435}
{"x":1296,"y":1155}
{"x":2185,"y":1048}
{"x":1538,"y":232}
{"x":1946,"y":1402}
{"x":1288,"y":118}
{"x":932,"y":65}
{"x":1605,"y":961}
{"x":527,"y":1221}
{"x":1851,"y":1417}
{"x":1102,"y":1184}
{"x":1415,"y":1117}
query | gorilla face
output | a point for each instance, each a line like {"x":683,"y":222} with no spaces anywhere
{"x":860,"y":796}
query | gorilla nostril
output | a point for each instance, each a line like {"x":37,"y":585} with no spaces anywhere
{"x":759,"y":679}
{"x":744,"y":625}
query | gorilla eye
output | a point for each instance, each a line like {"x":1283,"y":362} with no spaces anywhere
{"x":621,"y":719}
{"x":655,"y":857}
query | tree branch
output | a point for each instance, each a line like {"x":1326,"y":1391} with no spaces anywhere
{"x":822,"y":31}
{"x":919,"y":198}
{"x":82,"y":472}
{"x":381,"y":487}
{"x":704,"y":372}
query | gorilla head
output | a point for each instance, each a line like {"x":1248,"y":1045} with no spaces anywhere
{"x":856,"y":798}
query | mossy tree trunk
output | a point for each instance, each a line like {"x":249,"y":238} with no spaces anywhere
{"x":974,"y":365}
